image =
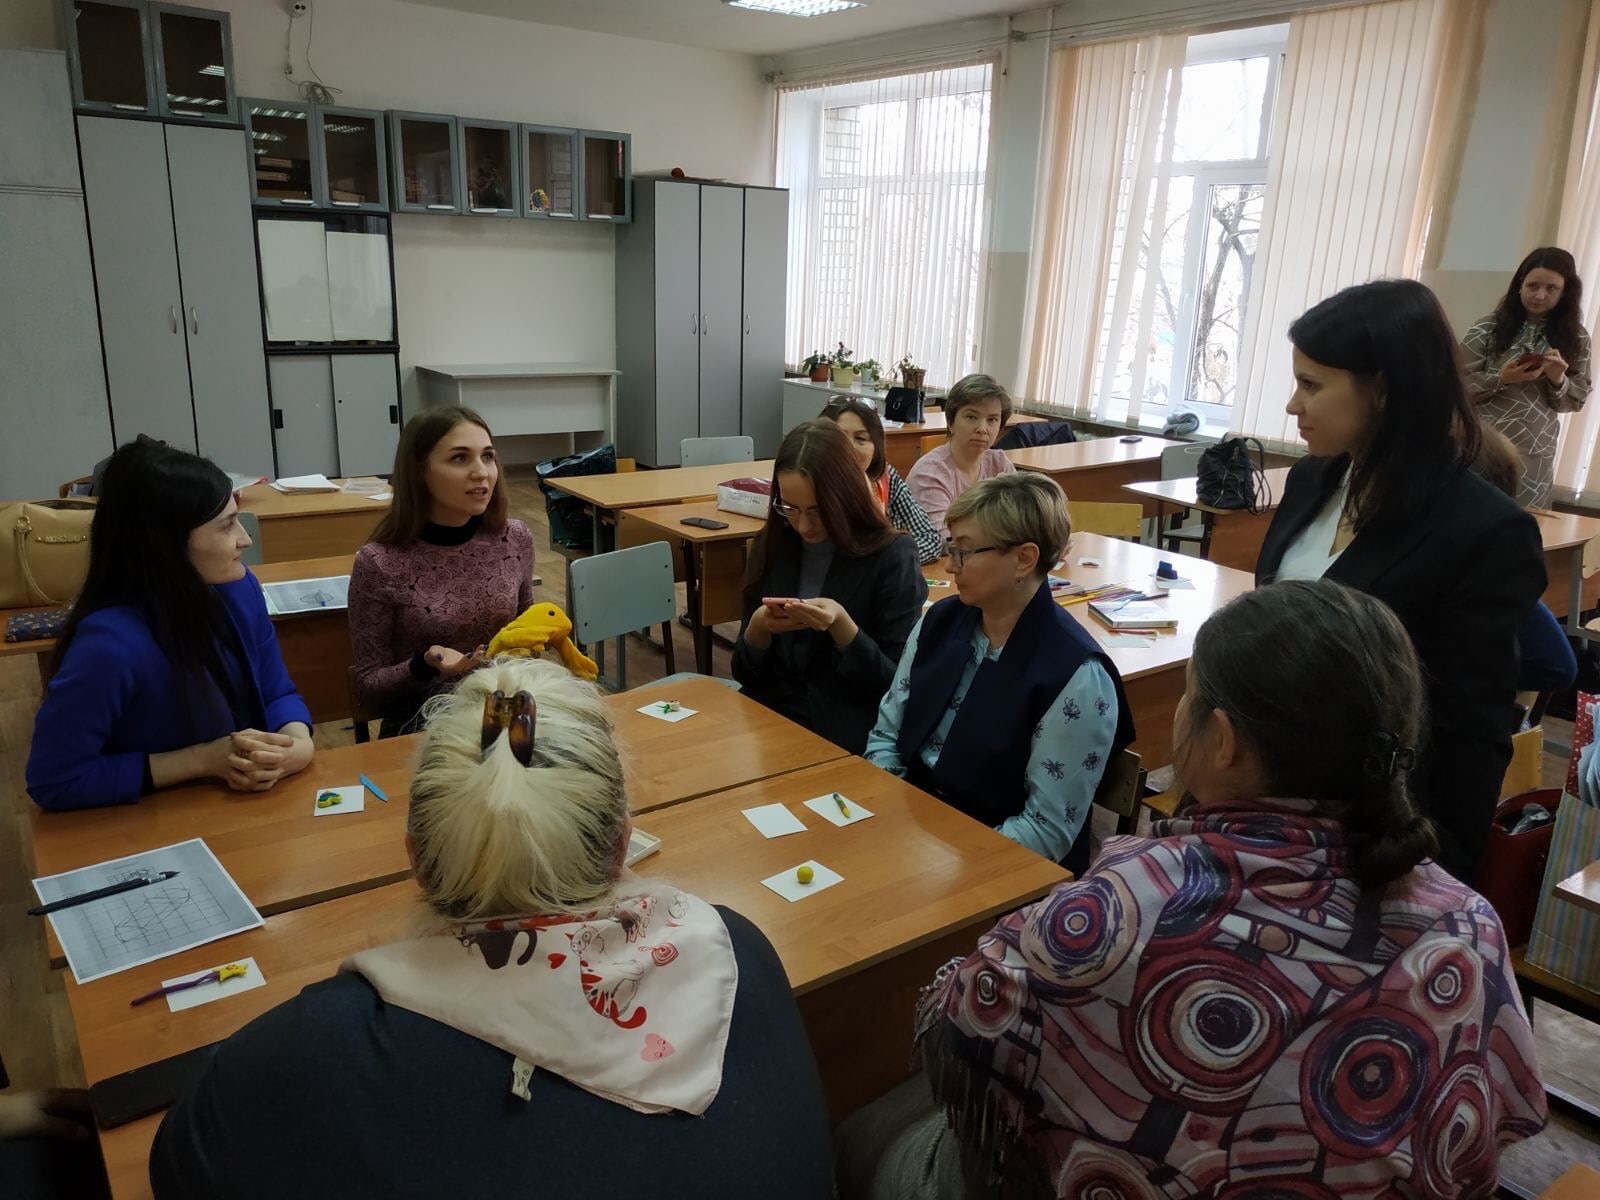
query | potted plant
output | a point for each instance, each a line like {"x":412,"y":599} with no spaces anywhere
{"x":844,"y":369}
{"x":911,"y":375}
{"x":868,"y":370}
{"x":816,"y":366}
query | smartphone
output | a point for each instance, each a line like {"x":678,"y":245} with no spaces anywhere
{"x":1530,"y":359}
{"x":1130,"y":439}
{"x":776,"y":603}
{"x":147,"y":1089}
{"x":703,"y":523}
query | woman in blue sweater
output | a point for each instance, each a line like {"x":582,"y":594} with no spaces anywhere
{"x":168,"y":669}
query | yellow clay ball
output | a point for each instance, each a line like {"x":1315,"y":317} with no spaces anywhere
{"x":804,"y":874}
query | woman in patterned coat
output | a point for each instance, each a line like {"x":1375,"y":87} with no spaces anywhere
{"x":1277,"y":994}
{"x":1528,"y":361}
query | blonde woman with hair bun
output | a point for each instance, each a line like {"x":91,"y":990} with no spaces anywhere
{"x":563,"y":1025}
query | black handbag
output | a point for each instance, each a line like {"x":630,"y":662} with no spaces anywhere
{"x":904,"y":405}
{"x":1229,"y":477}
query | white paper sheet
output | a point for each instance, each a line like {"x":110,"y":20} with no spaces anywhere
{"x":671,"y":716}
{"x":352,"y":799}
{"x":828,"y":809}
{"x":788,"y":885}
{"x":307,"y":595}
{"x":774,"y":820}
{"x":200,"y":904}
{"x":290,"y":484}
{"x":294,"y":280}
{"x":359,"y":294}
{"x":207,"y":992}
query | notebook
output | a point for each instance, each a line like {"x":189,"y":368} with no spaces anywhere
{"x":1132,"y":614}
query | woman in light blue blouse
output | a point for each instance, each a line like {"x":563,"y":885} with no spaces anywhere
{"x":1002,"y":704}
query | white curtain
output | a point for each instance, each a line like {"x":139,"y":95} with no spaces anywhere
{"x":888,"y":215}
{"x":1578,"y":458}
{"x":1109,"y":107}
{"x":1360,"y":136}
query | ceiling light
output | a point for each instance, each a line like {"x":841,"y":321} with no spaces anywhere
{"x":213,"y":69}
{"x":795,"y":8}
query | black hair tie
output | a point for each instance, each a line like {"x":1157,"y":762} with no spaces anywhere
{"x":1386,"y":757}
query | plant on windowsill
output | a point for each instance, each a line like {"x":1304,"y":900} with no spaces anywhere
{"x":868,"y":372}
{"x":817,"y":366}
{"x":844,"y":369}
{"x":911,"y":375}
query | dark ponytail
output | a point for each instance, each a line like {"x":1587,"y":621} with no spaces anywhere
{"x":1323,"y":683}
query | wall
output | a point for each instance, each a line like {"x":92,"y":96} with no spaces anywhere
{"x":488,"y":290}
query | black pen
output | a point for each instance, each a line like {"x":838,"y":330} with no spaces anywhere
{"x":116,"y":889}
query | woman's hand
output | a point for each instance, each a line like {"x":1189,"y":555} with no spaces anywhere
{"x":54,"y":1112}
{"x":1555,"y":367}
{"x":827,"y":616}
{"x":257,"y":760}
{"x":1514,"y":372}
{"x":452,"y":662}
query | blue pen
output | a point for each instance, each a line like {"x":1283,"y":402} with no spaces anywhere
{"x":374,"y":789}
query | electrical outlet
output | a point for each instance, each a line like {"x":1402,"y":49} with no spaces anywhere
{"x":299,"y":8}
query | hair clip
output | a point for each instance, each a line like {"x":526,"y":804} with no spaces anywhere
{"x":519,"y":714}
{"x":1386,"y":757}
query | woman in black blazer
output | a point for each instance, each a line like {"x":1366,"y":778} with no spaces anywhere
{"x":1386,"y":503}
{"x":831,"y":592}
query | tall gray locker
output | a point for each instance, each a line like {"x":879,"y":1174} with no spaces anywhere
{"x":700,"y":311}
{"x":180,"y":314}
{"x":52,"y":384}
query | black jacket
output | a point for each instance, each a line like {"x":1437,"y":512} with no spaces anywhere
{"x":803,"y":675}
{"x":1461,"y":575}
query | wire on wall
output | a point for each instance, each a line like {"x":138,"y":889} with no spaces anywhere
{"x":313,"y":89}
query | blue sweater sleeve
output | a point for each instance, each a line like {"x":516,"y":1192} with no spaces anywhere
{"x":85,"y":702}
{"x":282,"y":702}
{"x":1548,"y":664}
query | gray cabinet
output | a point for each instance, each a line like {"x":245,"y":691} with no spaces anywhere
{"x":424,"y":148}
{"x":174,"y":261}
{"x":285,"y":154}
{"x":192,"y":51}
{"x":549,"y":172}
{"x":167,"y":60}
{"x":607,"y":162}
{"x":489,"y":168}
{"x":354,"y":158}
{"x":700,"y":303}
{"x":52,"y":384}
{"x":335,"y":414}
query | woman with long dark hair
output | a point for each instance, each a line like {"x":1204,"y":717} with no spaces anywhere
{"x":1386,"y":501}
{"x":168,"y":668}
{"x":831,"y":592}
{"x":1528,"y":361}
{"x":445,"y":571}
{"x":864,"y":427}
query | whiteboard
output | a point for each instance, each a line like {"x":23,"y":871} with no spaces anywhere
{"x":294,"y":281}
{"x":359,"y":294}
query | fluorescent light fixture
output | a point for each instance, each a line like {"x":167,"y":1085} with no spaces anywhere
{"x":213,"y":69}
{"x":795,"y":8}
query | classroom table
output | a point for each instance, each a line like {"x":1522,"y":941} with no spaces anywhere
{"x":640,"y":489}
{"x":1582,"y":889}
{"x":315,"y":645}
{"x":1098,"y":470}
{"x":1153,"y":676}
{"x":1571,"y":564}
{"x":921,"y":883}
{"x":311,"y":524}
{"x":285,"y":857}
{"x":712,"y":560}
{"x":1230,"y":536}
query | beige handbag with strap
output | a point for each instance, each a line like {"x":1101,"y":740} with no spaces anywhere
{"x":44,"y":551}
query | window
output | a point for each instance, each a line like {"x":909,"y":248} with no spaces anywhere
{"x":887,"y":216}
{"x":1172,"y":337}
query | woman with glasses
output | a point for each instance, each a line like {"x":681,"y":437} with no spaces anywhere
{"x":1003,"y":706}
{"x":831,"y":592}
{"x":861,"y":424}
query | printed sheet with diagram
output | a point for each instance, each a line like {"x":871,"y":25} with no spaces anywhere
{"x":307,"y":595}
{"x":200,"y":904}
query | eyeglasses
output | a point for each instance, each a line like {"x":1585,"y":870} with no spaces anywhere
{"x":959,"y":555}
{"x":791,"y":512}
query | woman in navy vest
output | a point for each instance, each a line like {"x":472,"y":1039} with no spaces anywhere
{"x":1003,"y":705}
{"x":168,"y":668}
{"x":831,"y":592}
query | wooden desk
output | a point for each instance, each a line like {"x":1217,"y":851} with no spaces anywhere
{"x":315,"y":645}
{"x":1152,"y":676}
{"x":1569,"y":543}
{"x":1578,"y":1182}
{"x":312,"y":524}
{"x":1098,"y":470}
{"x":640,"y":489}
{"x":713,"y":560}
{"x":1232,"y":536}
{"x":529,"y":398}
{"x":1582,"y":889}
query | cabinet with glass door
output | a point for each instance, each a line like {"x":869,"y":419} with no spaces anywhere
{"x":285,"y":158}
{"x":424,"y":149}
{"x":108,"y":54}
{"x":354,"y":158}
{"x":193,"y":56}
{"x":489,"y":168}
{"x":549,"y":172}
{"x":607,"y":170}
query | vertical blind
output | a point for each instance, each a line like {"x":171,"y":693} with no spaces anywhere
{"x":888,"y":215}
{"x":1578,"y":458}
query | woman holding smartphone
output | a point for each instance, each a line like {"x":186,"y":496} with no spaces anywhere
{"x":831,"y":592}
{"x":1528,"y":361}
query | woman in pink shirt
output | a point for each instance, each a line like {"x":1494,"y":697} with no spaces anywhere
{"x":975,"y":412}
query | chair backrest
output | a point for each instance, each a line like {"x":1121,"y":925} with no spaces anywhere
{"x":1182,"y":462}
{"x":1121,"y":784}
{"x":713,"y":451}
{"x":360,"y":715}
{"x":1106,"y":517}
{"x":931,"y":442}
{"x":252,"y":553}
{"x":621,"y":592}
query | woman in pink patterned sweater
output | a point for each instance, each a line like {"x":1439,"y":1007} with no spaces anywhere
{"x":443,"y":573}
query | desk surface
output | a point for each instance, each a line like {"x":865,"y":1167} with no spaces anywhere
{"x":668,"y":518}
{"x":1181,"y":492}
{"x":1080,"y":456}
{"x":1583,"y":888}
{"x":636,"y":489}
{"x":1562,"y":531}
{"x":269,"y":504}
{"x":515,"y":370}
{"x":1134,"y":565}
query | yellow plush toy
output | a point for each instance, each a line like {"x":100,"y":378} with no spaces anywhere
{"x":543,"y":627}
